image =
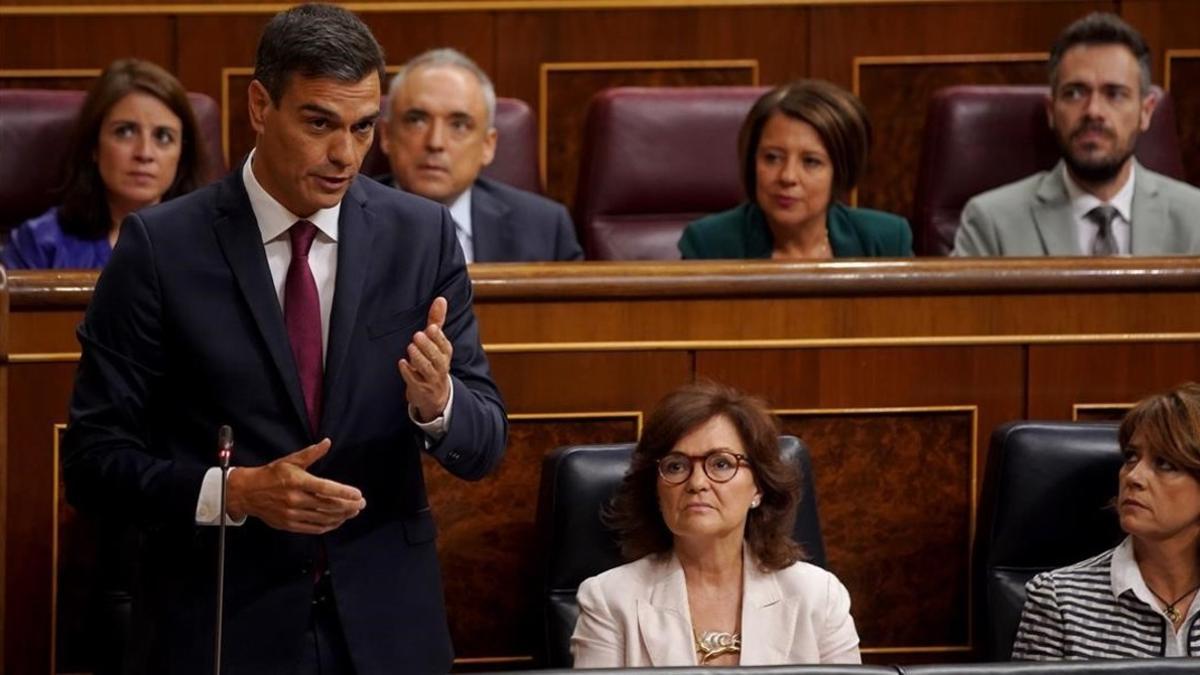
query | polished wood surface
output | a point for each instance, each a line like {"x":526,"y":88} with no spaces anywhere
{"x":895,"y":373}
{"x":893,"y":53}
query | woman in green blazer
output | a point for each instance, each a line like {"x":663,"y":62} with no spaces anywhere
{"x":802,"y":147}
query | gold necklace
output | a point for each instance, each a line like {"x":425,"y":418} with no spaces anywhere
{"x":1169,"y":607}
{"x":711,"y":644}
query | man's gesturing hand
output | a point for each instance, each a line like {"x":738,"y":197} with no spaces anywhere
{"x":426,"y":371}
{"x":284,"y":495}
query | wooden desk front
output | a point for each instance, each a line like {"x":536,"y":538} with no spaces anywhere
{"x":894,"y":372}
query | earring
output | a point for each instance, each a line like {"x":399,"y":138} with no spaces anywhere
{"x":754,"y":504}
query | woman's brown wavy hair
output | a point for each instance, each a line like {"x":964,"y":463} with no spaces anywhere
{"x":634,"y":511}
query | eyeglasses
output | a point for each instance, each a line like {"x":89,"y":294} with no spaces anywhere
{"x":720,"y":466}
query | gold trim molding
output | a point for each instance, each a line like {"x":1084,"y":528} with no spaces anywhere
{"x":1171,"y":55}
{"x":436,"y":6}
{"x":937,"y":60}
{"x":635,"y":415}
{"x":546,"y":68}
{"x":753,"y":344}
{"x":1077,"y":408}
{"x":47,"y":73}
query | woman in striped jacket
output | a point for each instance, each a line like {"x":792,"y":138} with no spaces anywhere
{"x":1140,"y":598}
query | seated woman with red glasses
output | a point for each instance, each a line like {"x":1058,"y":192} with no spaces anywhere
{"x":706,"y":514}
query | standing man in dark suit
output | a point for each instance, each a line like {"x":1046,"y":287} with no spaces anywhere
{"x":438,"y":133}
{"x":328,"y":321}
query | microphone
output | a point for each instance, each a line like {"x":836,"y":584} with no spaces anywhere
{"x":224,"y":454}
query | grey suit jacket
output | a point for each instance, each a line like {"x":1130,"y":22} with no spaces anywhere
{"x":1032,"y":217}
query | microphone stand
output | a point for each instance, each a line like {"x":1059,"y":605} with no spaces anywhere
{"x":224,"y":453}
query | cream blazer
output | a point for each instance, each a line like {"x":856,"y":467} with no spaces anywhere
{"x":637,"y":615}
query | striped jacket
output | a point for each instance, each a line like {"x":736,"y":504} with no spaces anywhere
{"x":1071,"y":613}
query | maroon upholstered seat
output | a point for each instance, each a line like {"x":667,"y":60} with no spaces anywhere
{"x":35,"y":128}
{"x":981,"y":137}
{"x":654,"y":159}
{"x":516,"y":148}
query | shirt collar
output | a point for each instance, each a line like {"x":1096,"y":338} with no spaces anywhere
{"x":1125,"y":573}
{"x":1083,"y":202}
{"x":460,"y":211}
{"x":274,"y":220}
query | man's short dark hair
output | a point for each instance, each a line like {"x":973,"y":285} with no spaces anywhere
{"x":1102,"y":28}
{"x":315,"y":40}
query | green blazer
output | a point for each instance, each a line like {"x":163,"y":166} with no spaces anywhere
{"x":742,"y":232}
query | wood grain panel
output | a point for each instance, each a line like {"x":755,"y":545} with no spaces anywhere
{"x":527,"y":40}
{"x":1063,"y":376}
{"x":487,"y":543}
{"x":894,"y":491}
{"x":85,"y":42}
{"x":897,"y":95}
{"x":40,"y":403}
{"x":210,"y":46}
{"x":840,"y":33}
{"x":81,"y":78}
{"x":864,"y":453}
{"x":569,"y":87}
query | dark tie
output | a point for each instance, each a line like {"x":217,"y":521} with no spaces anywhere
{"x":302,"y":314}
{"x":1105,"y":243}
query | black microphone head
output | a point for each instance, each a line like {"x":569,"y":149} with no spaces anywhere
{"x":225,"y":438}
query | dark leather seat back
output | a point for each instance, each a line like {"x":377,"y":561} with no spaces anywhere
{"x":515,"y":163}
{"x":577,"y":483}
{"x":981,"y":137}
{"x":35,"y":128}
{"x":653,"y":160}
{"x":1045,"y":504}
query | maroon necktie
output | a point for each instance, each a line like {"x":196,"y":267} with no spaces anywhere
{"x":302,"y":314}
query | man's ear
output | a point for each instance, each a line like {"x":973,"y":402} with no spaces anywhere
{"x":1048,"y":102}
{"x":1149,"y":105}
{"x":489,"y":146}
{"x":381,"y":130}
{"x":259,"y":103}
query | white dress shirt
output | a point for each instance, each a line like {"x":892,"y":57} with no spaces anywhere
{"x":1126,"y":575}
{"x":1087,"y":229}
{"x":274,"y":221}
{"x":460,"y":211}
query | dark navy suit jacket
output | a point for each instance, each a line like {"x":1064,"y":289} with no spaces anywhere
{"x":511,"y":225}
{"x":184,"y":334}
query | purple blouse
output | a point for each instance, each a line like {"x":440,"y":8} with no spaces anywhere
{"x":40,"y":244}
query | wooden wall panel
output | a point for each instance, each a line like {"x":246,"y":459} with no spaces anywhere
{"x":894,"y":491}
{"x":32,"y":509}
{"x":838,"y":34}
{"x":897,"y":93}
{"x":868,"y":462}
{"x":1061,"y":377}
{"x":530,"y":40}
{"x":487,"y":540}
{"x":85,"y":41}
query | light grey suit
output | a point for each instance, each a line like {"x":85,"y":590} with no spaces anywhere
{"x":1032,"y":217}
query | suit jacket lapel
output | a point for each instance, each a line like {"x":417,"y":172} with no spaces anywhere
{"x":490,"y":233}
{"x":1148,"y":231}
{"x":1052,"y":215}
{"x":241,"y":241}
{"x":664,"y":620}
{"x":766,"y":631}
{"x":355,"y":236}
